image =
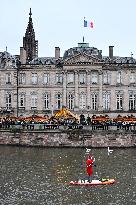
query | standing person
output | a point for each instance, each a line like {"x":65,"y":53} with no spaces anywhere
{"x":89,"y":167}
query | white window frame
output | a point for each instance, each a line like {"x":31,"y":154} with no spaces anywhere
{"x":34,"y":101}
{"x":22,"y":100}
{"x":59,"y":101}
{"x":70,"y":101}
{"x":119,"y":102}
{"x":106,"y":101}
{"x":132,"y":102}
{"x":82,"y":101}
{"x":8,"y":101}
{"x":46,"y":101}
{"x":94,"y":98}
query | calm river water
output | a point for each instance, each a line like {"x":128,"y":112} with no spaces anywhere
{"x":38,"y":176}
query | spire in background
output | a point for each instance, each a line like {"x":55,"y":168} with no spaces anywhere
{"x":30,"y":13}
{"x":29,"y":42}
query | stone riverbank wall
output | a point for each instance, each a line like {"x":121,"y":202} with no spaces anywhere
{"x":67,"y":138}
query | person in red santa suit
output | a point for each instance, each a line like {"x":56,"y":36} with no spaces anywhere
{"x":89,"y":167}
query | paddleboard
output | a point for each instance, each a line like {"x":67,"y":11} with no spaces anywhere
{"x":93,"y":182}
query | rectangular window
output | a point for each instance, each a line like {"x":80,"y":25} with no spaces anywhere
{"x":46,"y":78}
{"x":119,"y":77}
{"x":131,"y":78}
{"x":82,"y":78}
{"x":106,"y":101}
{"x":8,"y":101}
{"x":94,"y":78}
{"x":22,"y":78}
{"x":94,"y":102}
{"x":34,"y":78}
{"x":22,"y":101}
{"x":59,"y":98}
{"x":70,"y":101}
{"x":8,"y":78}
{"x":119,"y":102}
{"x":46,"y":101}
{"x":59,"y":78}
{"x":132,"y":102}
{"x":82,"y":101}
{"x":70,"y":78}
{"x":105,"y":78}
{"x":33,"y":101}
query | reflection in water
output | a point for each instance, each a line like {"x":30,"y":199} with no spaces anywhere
{"x":39,"y":175}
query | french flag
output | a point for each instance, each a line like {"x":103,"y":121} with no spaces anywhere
{"x":88,"y":24}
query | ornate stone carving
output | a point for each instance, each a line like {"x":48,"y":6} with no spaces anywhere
{"x":81,"y":58}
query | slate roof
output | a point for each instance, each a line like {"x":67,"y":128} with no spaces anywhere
{"x":7,"y":59}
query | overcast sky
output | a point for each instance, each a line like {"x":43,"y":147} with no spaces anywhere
{"x":60,"y":23}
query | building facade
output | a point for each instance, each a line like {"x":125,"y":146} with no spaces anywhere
{"x":82,"y":80}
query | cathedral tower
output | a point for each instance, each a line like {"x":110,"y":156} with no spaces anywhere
{"x":29,"y":43}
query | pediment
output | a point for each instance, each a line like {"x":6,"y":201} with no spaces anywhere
{"x":82,"y":58}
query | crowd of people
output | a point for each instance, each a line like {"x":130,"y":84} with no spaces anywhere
{"x":94,"y":122}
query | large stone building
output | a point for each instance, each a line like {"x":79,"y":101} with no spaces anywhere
{"x":83,"y":80}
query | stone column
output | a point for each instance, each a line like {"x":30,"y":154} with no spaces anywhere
{"x":88,"y":97}
{"x":76,"y":89}
{"x":64,"y":89}
{"x":100,"y":100}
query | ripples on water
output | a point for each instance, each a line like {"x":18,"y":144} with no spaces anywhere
{"x":38,"y":176}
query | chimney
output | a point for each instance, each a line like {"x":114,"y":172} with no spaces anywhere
{"x":111,"y":52}
{"x":57,"y":52}
{"x":22,"y":55}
